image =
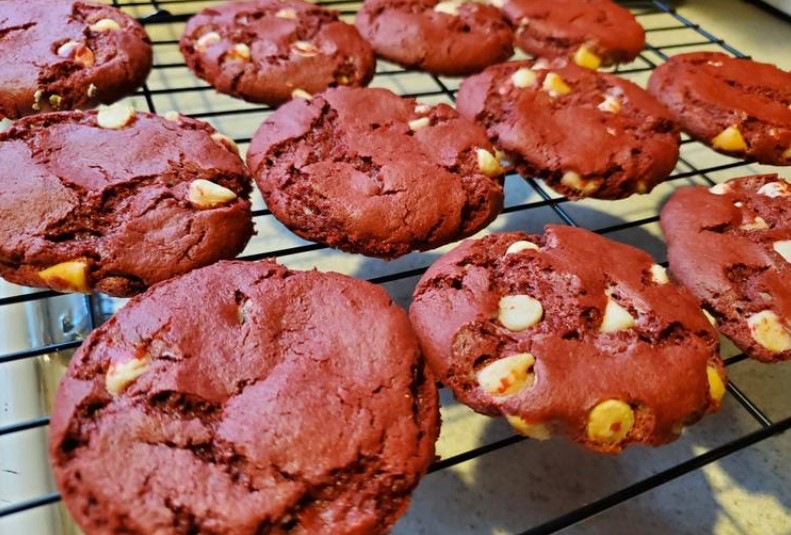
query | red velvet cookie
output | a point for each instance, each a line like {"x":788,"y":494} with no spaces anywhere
{"x":568,"y":334}
{"x":63,"y":55}
{"x":735,"y":106}
{"x":452,"y":38}
{"x":592,"y":32}
{"x":587,"y":134}
{"x":731,"y":246}
{"x":264,"y":50}
{"x":369,"y":172}
{"x":115,"y":201}
{"x":243,"y":399}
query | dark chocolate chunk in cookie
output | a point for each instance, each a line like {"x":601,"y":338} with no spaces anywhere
{"x":63,"y":55}
{"x":265,"y":50}
{"x":453,"y":38}
{"x":369,"y":172}
{"x":242,"y":399}
{"x":731,"y":246}
{"x":735,"y":106}
{"x":568,"y":334}
{"x":587,"y":134}
{"x":591,"y":32}
{"x":115,"y":200}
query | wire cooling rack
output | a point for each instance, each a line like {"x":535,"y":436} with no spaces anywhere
{"x":42,"y":328}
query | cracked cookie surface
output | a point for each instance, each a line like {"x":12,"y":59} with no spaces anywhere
{"x":62,"y":55}
{"x":243,"y":398}
{"x":367,"y":171}
{"x":569,"y":334}
{"x":441,"y":37}
{"x":558,"y":28}
{"x":735,"y":106}
{"x":731,"y":246}
{"x":264,"y":50}
{"x":116,"y":209}
{"x":587,"y":134}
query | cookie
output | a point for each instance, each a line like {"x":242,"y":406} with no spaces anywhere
{"x":570,"y":334}
{"x":115,"y":201}
{"x":244,"y":398}
{"x":593,"y":33}
{"x":369,"y":172}
{"x":737,"y":107}
{"x":452,"y":38}
{"x":731,"y":246}
{"x":587,"y":134}
{"x":64,"y":55}
{"x":265,"y":50}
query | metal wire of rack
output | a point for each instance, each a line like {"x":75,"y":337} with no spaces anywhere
{"x":529,"y":204}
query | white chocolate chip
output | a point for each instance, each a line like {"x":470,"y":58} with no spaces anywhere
{"x":301,"y":93}
{"x":730,"y":140}
{"x":92,"y":91}
{"x":488,"y":164}
{"x":659,"y":274}
{"x":775,"y":189}
{"x":37,"y":99}
{"x":71,"y":275}
{"x":787,"y":153}
{"x":534,"y":431}
{"x":541,"y":64}
{"x":768,"y":330}
{"x":225,"y":142}
{"x":523,"y":77}
{"x":610,"y":104}
{"x":105,"y":25}
{"x":519,"y":312}
{"x":585,"y":57}
{"x":611,"y":131}
{"x":5,"y":124}
{"x":497,"y":3}
{"x":714,"y":63}
{"x":205,"y":194}
{"x":555,"y":85}
{"x":610,"y":421}
{"x":206,"y":40}
{"x":417,"y":124}
{"x":239,"y":52}
{"x":521,"y":245}
{"x":115,"y":116}
{"x":447,"y":7}
{"x":304,"y":49}
{"x":343,"y":79}
{"x":783,"y":248}
{"x":738,"y":204}
{"x":720,"y":189}
{"x":287,"y":13}
{"x":121,"y":375}
{"x":574,"y":181}
{"x":78,"y":52}
{"x":616,"y":318}
{"x":756,"y":224}
{"x":507,"y":375}
{"x":54,"y":101}
{"x":172,"y":115}
{"x":716,"y":384}
{"x":422,"y":109}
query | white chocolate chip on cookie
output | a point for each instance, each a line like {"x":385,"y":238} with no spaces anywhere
{"x":121,"y":375}
{"x":521,"y":245}
{"x":519,"y":312}
{"x":225,"y":141}
{"x":205,"y":194}
{"x":783,"y":248}
{"x":105,"y":25}
{"x":523,"y":77}
{"x":71,"y":275}
{"x":417,"y":124}
{"x":719,"y":189}
{"x":616,"y":318}
{"x":769,"y":331}
{"x":585,"y":57}
{"x":534,"y":431}
{"x":206,"y":40}
{"x":555,"y":85}
{"x":115,"y":116}
{"x":730,"y":140}
{"x":610,"y":421}
{"x":447,"y":7}
{"x":488,"y":164}
{"x":775,"y":189}
{"x":659,"y":274}
{"x":507,"y":375}
{"x":287,"y":13}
